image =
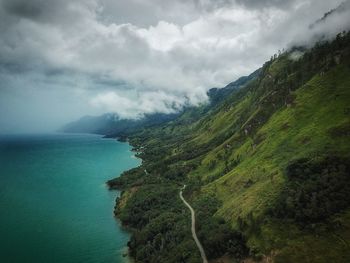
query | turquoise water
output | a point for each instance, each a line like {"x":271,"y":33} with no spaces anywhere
{"x":54,"y":205}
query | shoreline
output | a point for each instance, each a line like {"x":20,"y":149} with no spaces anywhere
{"x":125,"y":252}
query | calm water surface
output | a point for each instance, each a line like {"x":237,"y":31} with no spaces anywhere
{"x":54,"y":205}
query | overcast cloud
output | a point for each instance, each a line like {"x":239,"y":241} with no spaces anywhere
{"x":60,"y":60}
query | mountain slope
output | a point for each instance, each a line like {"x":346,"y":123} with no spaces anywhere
{"x":111,"y":125}
{"x":267,"y":169}
{"x":218,"y":95}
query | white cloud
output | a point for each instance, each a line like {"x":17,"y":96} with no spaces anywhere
{"x":133,"y":107}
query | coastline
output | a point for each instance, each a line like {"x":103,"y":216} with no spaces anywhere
{"x":147,"y":199}
{"x":150,"y":201}
{"x":125,"y":252}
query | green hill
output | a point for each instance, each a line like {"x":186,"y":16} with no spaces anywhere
{"x":267,"y":169}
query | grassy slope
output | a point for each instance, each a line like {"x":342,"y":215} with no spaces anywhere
{"x":293,"y":132}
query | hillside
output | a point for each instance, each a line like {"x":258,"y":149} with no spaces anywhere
{"x":267,"y":169}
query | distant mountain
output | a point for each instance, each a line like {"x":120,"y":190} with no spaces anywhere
{"x":217,"y":95}
{"x":111,"y":125}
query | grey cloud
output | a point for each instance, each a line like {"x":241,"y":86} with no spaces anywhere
{"x":267,"y":3}
{"x":147,"y":13}
{"x":59,"y":13}
{"x":210,"y":5}
{"x":28,"y":9}
{"x":101,"y":55}
{"x":37,"y":10}
{"x":109,"y":82}
{"x":343,"y":7}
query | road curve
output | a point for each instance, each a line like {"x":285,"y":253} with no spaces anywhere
{"x":193,"y":228}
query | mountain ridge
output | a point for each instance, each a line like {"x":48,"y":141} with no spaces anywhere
{"x":238,"y":161}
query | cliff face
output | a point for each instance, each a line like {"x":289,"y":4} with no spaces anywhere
{"x":267,"y":168}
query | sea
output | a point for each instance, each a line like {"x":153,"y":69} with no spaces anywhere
{"x":54,"y":204}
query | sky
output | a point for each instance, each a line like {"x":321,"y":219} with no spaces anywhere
{"x":63,"y":59}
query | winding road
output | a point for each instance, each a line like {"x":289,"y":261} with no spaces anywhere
{"x":193,"y":228}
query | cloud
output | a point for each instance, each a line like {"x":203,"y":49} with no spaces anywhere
{"x":27,"y":9}
{"x":131,"y":108}
{"x":255,"y":4}
{"x":109,"y":56}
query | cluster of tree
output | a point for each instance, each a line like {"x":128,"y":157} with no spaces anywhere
{"x":160,"y":225}
{"x":165,"y":239}
{"x":147,"y":203}
{"x":315,"y":190}
{"x":216,"y":235}
{"x":132,"y":177}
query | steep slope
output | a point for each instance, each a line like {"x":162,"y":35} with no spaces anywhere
{"x":313,"y":127}
{"x":267,"y":169}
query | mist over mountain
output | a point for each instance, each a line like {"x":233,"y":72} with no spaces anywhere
{"x":112,"y":125}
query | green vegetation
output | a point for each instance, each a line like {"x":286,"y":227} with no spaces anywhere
{"x":314,"y":191}
{"x":216,"y":234}
{"x":266,"y":168}
{"x":160,"y":223}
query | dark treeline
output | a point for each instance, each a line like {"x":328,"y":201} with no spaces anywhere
{"x":314,"y":190}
